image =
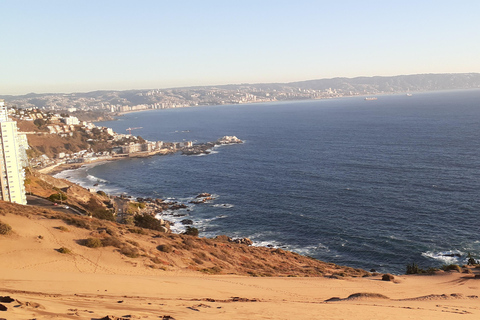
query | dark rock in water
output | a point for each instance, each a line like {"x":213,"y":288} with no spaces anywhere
{"x":178,"y":206}
{"x":186,"y":221}
{"x":179,"y":215}
{"x":453,"y":255}
{"x":202,"y":199}
{"x":373,"y":270}
{"x":388,"y":277}
{"x":203,"y":195}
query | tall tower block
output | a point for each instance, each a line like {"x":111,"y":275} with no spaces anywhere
{"x":12,"y":175}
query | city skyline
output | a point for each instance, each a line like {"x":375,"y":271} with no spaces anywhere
{"x":78,"y":46}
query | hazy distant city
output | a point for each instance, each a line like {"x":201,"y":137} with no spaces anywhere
{"x":133,"y":100}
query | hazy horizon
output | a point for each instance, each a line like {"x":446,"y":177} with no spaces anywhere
{"x":77,"y":46}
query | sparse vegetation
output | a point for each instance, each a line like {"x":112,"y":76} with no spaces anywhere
{"x":130,"y":252}
{"x":134,"y":207}
{"x":167,"y":248}
{"x":93,"y":243}
{"x":148,"y":222}
{"x":187,"y":252}
{"x":191,"y":231}
{"x":471,"y":260}
{"x":59,"y":196}
{"x":62,"y":228}
{"x":212,"y":270}
{"x":64,"y":250}
{"x":103,"y":214}
{"x":452,"y":267}
{"x":5,"y":228}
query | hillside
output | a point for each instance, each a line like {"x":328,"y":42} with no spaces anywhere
{"x":101,"y":246}
{"x":51,"y":269}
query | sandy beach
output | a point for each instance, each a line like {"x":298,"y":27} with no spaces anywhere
{"x":93,"y":283}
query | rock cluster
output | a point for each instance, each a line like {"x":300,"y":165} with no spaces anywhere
{"x":205,"y":148}
{"x":245,"y":241}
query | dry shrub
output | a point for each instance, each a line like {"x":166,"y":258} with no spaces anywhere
{"x":189,"y":244}
{"x":197,"y":260}
{"x":133,"y":243}
{"x":212,"y":270}
{"x":77,"y":222}
{"x":201,"y":255}
{"x":5,"y":228}
{"x":93,"y":243}
{"x":62,"y":228}
{"x":130,"y":252}
{"x":167,"y":248}
{"x":112,"y":242}
{"x":137,"y":230}
{"x":64,"y":250}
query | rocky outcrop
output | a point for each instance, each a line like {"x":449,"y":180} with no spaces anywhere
{"x":224,"y":238}
{"x":205,"y":148}
{"x":228,"y":140}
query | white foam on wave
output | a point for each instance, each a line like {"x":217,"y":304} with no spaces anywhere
{"x":446,"y":257}
{"x":95,"y":179}
{"x":223,"y":205}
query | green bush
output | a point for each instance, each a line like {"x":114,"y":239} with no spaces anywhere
{"x":5,"y":228}
{"x":148,"y":222}
{"x":191,"y":231}
{"x":93,"y":243}
{"x":57,"y":197}
{"x":414,"y":269}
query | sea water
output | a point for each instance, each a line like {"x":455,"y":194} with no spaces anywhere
{"x":373,"y":184}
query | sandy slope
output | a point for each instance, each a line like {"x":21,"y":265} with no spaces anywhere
{"x":90,"y":284}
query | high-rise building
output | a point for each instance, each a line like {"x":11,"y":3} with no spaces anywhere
{"x":12,"y":174}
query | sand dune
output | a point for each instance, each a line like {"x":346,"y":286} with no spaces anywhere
{"x":43,"y":283}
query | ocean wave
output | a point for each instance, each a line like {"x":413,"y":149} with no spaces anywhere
{"x":223,"y":205}
{"x":446,"y":257}
{"x":95,"y":179}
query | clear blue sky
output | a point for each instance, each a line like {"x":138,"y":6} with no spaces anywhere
{"x":75,"y":46}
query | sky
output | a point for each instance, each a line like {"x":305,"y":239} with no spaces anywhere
{"x":65,"y":46}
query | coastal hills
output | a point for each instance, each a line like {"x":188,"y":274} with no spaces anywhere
{"x":58,"y":265}
{"x":101,"y":104}
{"x":69,"y":242}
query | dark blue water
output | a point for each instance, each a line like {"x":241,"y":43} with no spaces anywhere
{"x":371,"y":184}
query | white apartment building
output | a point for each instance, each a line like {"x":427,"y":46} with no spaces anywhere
{"x":12,"y":175}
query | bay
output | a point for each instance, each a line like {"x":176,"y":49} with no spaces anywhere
{"x":371,"y":184}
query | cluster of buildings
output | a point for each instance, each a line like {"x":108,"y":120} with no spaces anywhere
{"x":136,"y":100}
{"x":12,"y":159}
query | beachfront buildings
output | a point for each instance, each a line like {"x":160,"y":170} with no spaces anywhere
{"x":12,"y":175}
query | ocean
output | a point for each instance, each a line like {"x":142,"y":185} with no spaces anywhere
{"x":373,"y":184}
